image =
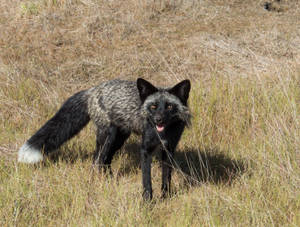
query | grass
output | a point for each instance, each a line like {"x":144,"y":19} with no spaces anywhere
{"x":238,"y":165}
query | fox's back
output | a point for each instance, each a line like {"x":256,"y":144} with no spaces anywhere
{"x":116,"y":102}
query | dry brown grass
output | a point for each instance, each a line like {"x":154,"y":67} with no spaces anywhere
{"x":237,"y":166}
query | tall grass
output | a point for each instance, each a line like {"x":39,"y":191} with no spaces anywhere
{"x":237,"y":165}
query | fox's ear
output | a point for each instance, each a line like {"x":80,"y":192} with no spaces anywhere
{"x":182,"y":90}
{"x":145,"y":88}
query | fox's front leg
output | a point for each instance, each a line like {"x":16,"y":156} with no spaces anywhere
{"x":146,"y":159}
{"x":149,"y":143}
{"x":167,"y":158}
{"x":168,"y":149}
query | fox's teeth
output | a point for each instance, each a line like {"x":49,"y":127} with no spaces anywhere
{"x":159,"y":128}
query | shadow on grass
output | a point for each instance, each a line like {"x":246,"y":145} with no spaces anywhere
{"x":196,"y":166}
{"x":208,"y":165}
{"x":69,"y":155}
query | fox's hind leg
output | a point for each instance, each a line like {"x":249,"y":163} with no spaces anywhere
{"x":109,"y":140}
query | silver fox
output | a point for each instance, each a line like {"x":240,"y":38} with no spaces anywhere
{"x":117,"y":108}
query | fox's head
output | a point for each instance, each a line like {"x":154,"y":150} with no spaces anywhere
{"x":163,"y":106}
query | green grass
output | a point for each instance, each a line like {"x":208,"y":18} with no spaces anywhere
{"x":239,"y":163}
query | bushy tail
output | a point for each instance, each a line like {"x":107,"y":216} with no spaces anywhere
{"x":66,"y":123}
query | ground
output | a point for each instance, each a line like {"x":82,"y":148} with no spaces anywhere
{"x":239,"y":163}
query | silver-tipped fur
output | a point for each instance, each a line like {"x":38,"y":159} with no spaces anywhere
{"x":28,"y":154}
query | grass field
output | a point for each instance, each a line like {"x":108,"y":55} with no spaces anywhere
{"x":238,"y":165}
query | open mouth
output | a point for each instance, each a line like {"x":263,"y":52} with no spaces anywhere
{"x":160,"y":128}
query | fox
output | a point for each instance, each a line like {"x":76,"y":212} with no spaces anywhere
{"x":118,"y":108}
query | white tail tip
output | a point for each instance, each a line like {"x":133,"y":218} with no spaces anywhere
{"x":28,"y":154}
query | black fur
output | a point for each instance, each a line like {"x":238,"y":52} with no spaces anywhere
{"x":182,"y":91}
{"x":166,"y":142}
{"x":160,"y":112}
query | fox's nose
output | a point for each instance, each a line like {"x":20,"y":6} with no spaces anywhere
{"x":158,"y":119}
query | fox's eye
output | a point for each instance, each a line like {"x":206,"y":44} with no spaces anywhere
{"x":169,"y":107}
{"x":153,"y":107}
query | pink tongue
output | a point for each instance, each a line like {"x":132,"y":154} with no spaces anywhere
{"x":159,"y":128}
